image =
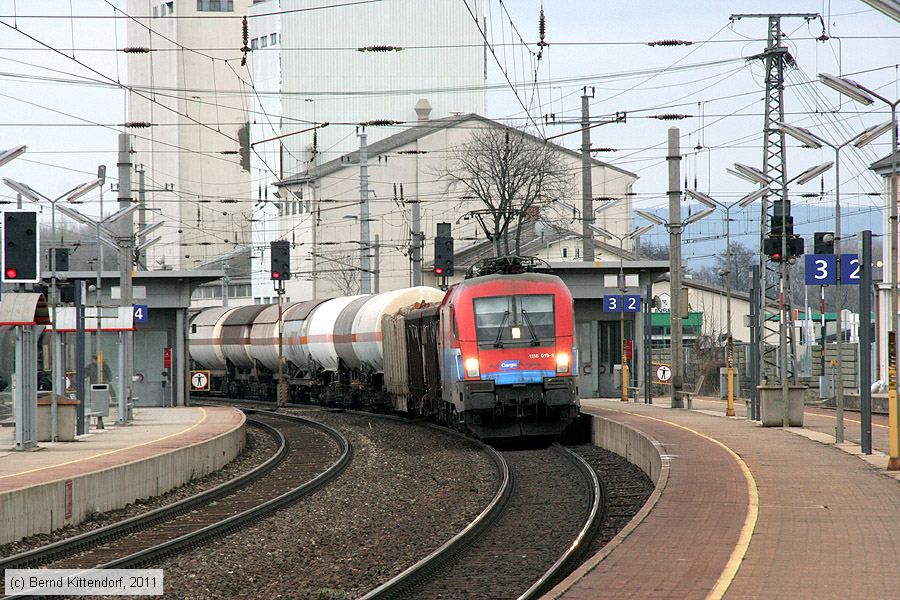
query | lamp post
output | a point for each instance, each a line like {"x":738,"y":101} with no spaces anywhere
{"x":864,"y":95}
{"x":729,"y":348}
{"x":756,"y":176}
{"x":675,"y":267}
{"x":622,"y":288}
{"x":70,"y":196}
{"x":812,"y":140}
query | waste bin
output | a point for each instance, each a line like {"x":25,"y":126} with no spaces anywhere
{"x":66,"y":417}
{"x":771,"y":405}
{"x":99,"y":400}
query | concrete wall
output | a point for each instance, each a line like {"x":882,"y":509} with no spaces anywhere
{"x":640,"y":450}
{"x":42,"y":508}
{"x":634,"y":446}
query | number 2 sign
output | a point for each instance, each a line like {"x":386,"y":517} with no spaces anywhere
{"x":850,"y":268}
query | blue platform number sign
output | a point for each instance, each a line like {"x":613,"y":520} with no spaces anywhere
{"x":821,"y":269}
{"x":612,"y":303}
{"x":632,"y":303}
{"x":850,"y":269}
{"x":141,"y":314}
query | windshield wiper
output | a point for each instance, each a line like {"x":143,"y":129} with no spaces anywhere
{"x":534,"y":338}
{"x":497,"y":342}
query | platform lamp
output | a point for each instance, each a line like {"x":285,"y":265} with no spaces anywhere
{"x":8,"y":155}
{"x":729,"y":348}
{"x":811,"y":140}
{"x":56,"y":341}
{"x":864,"y":95}
{"x":622,"y":288}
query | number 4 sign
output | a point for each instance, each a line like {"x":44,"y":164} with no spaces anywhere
{"x":141,"y":314}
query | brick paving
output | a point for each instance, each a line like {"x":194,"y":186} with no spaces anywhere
{"x":154,"y":431}
{"x":828,"y":525}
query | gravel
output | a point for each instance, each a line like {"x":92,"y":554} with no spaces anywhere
{"x":259,"y":447}
{"x":408,"y":490}
{"x":627,"y":489}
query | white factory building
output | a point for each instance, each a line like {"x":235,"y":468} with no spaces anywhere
{"x":187,"y":110}
{"x":344,"y":66}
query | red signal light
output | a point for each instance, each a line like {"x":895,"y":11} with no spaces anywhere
{"x":438,"y":271}
{"x":11,"y":273}
{"x":776,"y":257}
{"x":276,"y":275}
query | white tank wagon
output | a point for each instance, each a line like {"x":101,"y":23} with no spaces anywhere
{"x":235,"y":338}
{"x":205,"y":338}
{"x":320,"y":342}
{"x":264,"y":336}
{"x":366,"y":333}
{"x":296,"y":332}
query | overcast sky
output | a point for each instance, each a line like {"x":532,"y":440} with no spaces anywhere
{"x":70,"y":129}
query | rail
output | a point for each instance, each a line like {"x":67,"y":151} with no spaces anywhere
{"x":51,"y":552}
{"x":580,"y":544}
{"x":409,"y":578}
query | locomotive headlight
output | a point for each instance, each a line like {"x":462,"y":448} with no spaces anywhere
{"x":562,"y":362}
{"x":472,"y":367}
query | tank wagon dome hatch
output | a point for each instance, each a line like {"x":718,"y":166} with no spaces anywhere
{"x":236,"y":335}
{"x":205,"y":337}
{"x":366,"y":333}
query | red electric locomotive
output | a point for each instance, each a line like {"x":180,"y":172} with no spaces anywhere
{"x":507,"y":354}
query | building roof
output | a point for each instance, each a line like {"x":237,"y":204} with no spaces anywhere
{"x":536,"y":235}
{"x":709,"y":287}
{"x":884,"y":164}
{"x":412,"y":134}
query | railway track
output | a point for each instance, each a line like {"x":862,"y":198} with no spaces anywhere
{"x":534,"y":531}
{"x":302,"y":464}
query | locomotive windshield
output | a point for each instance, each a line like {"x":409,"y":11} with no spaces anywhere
{"x":514,"y":320}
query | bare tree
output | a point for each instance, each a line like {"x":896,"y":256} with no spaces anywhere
{"x":742,"y":260}
{"x":339,"y":272}
{"x":514,"y":174}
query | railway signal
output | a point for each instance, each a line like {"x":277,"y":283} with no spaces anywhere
{"x":21,"y":240}
{"x":281,"y":260}
{"x":443,"y":251}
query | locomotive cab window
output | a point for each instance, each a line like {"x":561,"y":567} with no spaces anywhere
{"x":514,"y":320}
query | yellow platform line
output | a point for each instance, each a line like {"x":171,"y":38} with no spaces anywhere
{"x":71,"y":462}
{"x":740,"y":550}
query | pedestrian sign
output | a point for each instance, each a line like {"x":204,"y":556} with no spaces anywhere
{"x":663,"y":373}
{"x":199,"y":381}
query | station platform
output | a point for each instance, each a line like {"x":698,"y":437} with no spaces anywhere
{"x":63,"y":483}
{"x":742,"y":511}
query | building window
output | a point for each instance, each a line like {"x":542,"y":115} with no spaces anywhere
{"x":263,"y":42}
{"x":273,"y":39}
{"x":155,"y":11}
{"x":215,"y":5}
{"x":169,"y":8}
{"x":565,"y":252}
{"x":254,"y":43}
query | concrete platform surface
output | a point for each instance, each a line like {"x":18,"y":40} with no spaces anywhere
{"x":748,"y":512}
{"x":64,"y":482}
